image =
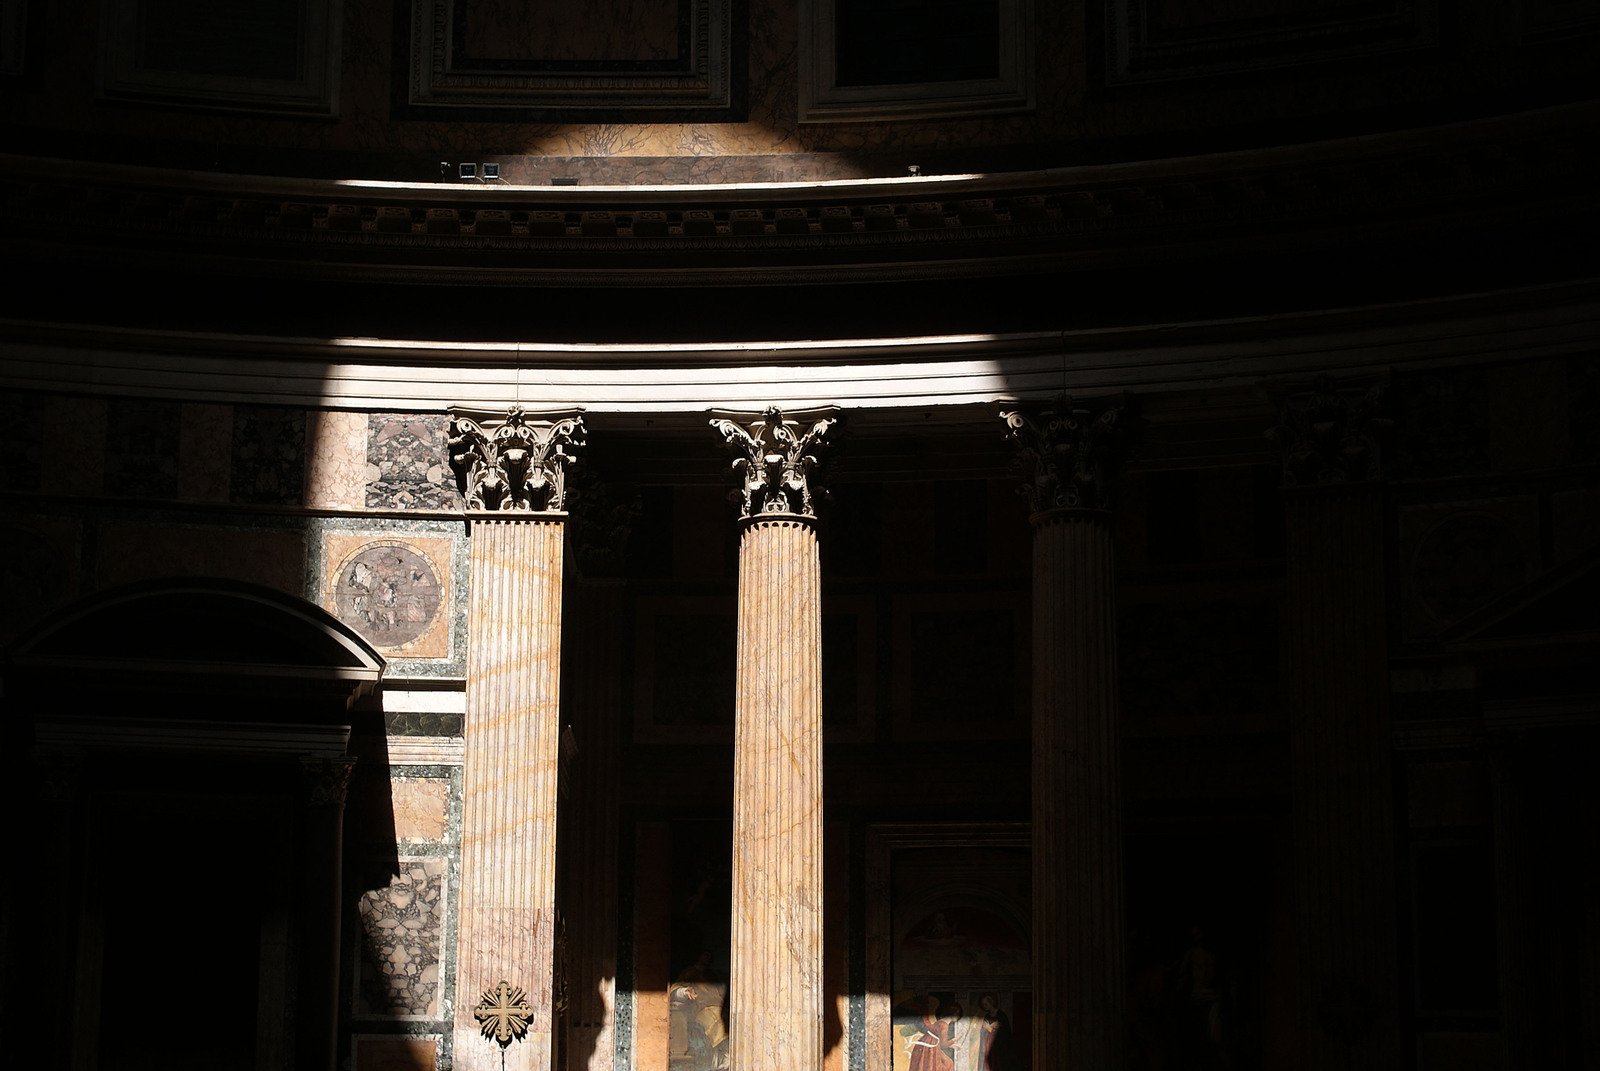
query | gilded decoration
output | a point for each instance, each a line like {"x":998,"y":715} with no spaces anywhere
{"x":503,"y":1013}
{"x":774,"y":465}
{"x":518,"y":463}
{"x":1069,"y":454}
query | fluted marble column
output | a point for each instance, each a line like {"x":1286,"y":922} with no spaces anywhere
{"x":775,"y":975}
{"x":1516,"y":909}
{"x":513,"y":477}
{"x":1079,"y":1006}
{"x":604,"y":516}
{"x":1337,"y":691}
{"x":589,"y":845}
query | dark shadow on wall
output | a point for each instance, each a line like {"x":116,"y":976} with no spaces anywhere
{"x":192,"y":736}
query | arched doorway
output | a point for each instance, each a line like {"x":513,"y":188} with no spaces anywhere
{"x":187,"y":748}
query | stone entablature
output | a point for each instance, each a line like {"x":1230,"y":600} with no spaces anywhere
{"x":873,"y":225}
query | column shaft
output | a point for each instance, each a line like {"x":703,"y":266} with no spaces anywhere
{"x":1515,"y":909}
{"x":1078,"y":968}
{"x":776,"y":999}
{"x":1337,"y":663}
{"x":507,"y":920}
{"x":589,"y":830}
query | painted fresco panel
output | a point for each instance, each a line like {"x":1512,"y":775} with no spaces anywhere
{"x":949,"y":963}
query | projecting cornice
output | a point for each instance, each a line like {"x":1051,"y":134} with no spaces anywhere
{"x":931,"y":372}
{"x":1506,"y":169}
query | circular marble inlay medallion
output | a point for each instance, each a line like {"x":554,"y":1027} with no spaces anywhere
{"x":389,"y":592}
{"x":1466,"y":562}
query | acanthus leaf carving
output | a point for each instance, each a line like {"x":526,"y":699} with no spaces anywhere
{"x":775,"y":466}
{"x":515,"y":464}
{"x":326,"y":780}
{"x":1069,"y":454}
{"x":1332,"y":434}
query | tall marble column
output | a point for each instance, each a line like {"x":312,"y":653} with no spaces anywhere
{"x":1070,"y":457}
{"x":1337,"y":691}
{"x":1516,"y":906}
{"x":604,"y":516}
{"x":513,"y":476}
{"x":775,"y":977}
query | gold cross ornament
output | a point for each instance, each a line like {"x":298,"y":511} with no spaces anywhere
{"x":503,"y":1014}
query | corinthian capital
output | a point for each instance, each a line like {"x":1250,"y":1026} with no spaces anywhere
{"x":518,"y":462}
{"x":773,"y":463}
{"x":326,"y":780}
{"x":1333,"y":434}
{"x":1069,"y":454}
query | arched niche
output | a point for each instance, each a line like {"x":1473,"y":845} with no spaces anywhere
{"x":186,"y":752}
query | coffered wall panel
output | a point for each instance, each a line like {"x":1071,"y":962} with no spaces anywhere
{"x":645,"y":60}
{"x":272,"y":56}
{"x":1158,"y":40}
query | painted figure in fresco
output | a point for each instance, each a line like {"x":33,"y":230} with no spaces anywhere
{"x":929,"y":1045}
{"x":698,"y":1032}
{"x":1201,"y":981}
{"x":966,"y":1040}
{"x":999,"y":1043}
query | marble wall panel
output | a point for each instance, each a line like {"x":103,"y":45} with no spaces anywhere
{"x":684,"y":669}
{"x":395,"y":591}
{"x":1200,"y":655}
{"x":269,"y":455}
{"x":422,"y":1052}
{"x":75,"y":428}
{"x":408,"y":462}
{"x":421,"y":808}
{"x":427,"y":723}
{"x":1442,"y":422}
{"x":959,"y":665}
{"x":399,"y":972}
{"x":142,"y":550}
{"x":1456,"y":558}
{"x":1583,"y":401}
{"x":401,"y":583}
{"x":13,"y":36}
{"x":205,"y":448}
{"x":1574,"y":523}
{"x":21,"y":443}
{"x":142,"y":447}
{"x":38,"y":570}
{"x":336,"y":460}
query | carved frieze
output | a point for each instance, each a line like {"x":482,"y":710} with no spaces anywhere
{"x":518,"y":463}
{"x":1333,"y":434}
{"x":775,"y":466}
{"x":1069,"y":454}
